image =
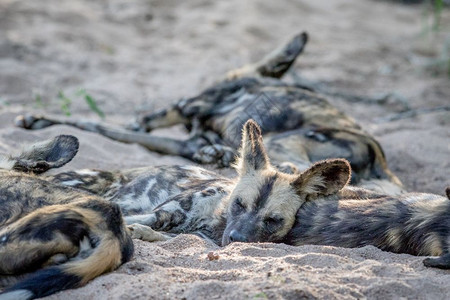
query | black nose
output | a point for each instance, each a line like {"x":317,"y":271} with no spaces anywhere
{"x":236,"y":236}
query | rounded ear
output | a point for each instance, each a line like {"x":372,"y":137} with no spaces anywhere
{"x":53,"y":153}
{"x":252,"y":155}
{"x":324,"y":178}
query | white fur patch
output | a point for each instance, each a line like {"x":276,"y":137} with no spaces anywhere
{"x":87,"y":172}
{"x":71,"y":182}
{"x":17,"y":295}
{"x":6,"y":163}
{"x":85,"y":249}
{"x":141,"y":219}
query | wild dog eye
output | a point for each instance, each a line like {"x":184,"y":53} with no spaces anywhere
{"x":238,"y":206}
{"x":273,"y":221}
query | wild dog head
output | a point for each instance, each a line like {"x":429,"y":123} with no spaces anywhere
{"x":42,"y":156}
{"x":264,"y":202}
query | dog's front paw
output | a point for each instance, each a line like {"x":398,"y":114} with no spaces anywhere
{"x":223,"y":156}
{"x":32,"y":122}
{"x":145,"y":233}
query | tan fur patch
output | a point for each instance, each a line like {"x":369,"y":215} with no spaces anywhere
{"x":106,"y":257}
{"x":393,"y":238}
{"x":432,"y":245}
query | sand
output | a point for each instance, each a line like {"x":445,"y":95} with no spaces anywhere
{"x":134,"y":56}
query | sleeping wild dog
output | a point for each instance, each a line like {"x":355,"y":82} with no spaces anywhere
{"x":54,"y":237}
{"x":264,"y":204}
{"x":299,"y":125}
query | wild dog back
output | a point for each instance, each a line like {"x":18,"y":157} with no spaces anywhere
{"x":412,"y":223}
{"x":173,"y":199}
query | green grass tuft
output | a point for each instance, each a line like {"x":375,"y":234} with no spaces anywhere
{"x":65,"y":103}
{"x":91,"y":102}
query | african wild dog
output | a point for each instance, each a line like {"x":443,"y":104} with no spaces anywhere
{"x":300,"y":126}
{"x":264,"y":204}
{"x":53,"y":237}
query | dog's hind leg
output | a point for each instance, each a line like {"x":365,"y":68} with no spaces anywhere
{"x":186,"y":148}
{"x":277,"y":63}
{"x":160,"y":119}
{"x":194,"y":148}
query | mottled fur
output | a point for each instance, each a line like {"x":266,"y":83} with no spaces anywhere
{"x":264,"y":204}
{"x":53,"y":237}
{"x":300,"y":126}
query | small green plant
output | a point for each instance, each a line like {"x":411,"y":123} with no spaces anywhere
{"x":91,"y":103}
{"x":65,"y":103}
{"x":261,"y":295}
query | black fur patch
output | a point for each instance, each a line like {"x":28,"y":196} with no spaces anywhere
{"x":264,"y":192}
{"x":46,"y":282}
{"x":110,"y":212}
{"x":127,"y":249}
{"x":44,"y":227}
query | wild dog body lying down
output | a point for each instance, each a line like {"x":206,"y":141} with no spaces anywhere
{"x":300,"y":126}
{"x":265,"y":205}
{"x":53,"y":237}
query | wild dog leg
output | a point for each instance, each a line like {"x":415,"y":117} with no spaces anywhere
{"x":185,"y":148}
{"x":163,"y":219}
{"x":163,"y":118}
{"x":146,"y":233}
{"x":441,"y":262}
{"x":217,"y":153}
{"x":192,"y":148}
{"x":277,"y":63}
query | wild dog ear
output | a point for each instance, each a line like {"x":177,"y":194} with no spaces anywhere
{"x":324,"y":178}
{"x":41,"y":157}
{"x":252,"y":154}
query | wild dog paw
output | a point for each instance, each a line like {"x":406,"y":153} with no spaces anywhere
{"x":145,"y":233}
{"x":441,"y":262}
{"x":31,"y":122}
{"x":222,"y":155}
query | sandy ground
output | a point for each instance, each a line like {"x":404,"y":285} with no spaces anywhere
{"x":136,"y":55}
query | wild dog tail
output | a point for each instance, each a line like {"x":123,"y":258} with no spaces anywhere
{"x":107,"y":256}
{"x":277,"y":63}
